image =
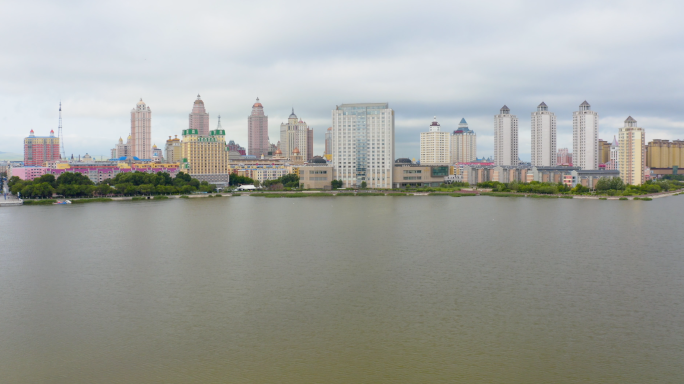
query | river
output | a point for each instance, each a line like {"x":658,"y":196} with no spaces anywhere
{"x":422,"y":289}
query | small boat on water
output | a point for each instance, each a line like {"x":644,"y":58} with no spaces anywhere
{"x":62,"y":202}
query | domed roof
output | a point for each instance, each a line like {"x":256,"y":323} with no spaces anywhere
{"x":257,"y":104}
{"x":120,"y":140}
{"x":154,"y":146}
{"x":292,"y":115}
{"x":403,"y":160}
{"x":296,"y":150}
{"x":129,"y":137}
{"x":318,"y":160}
{"x":279,"y":152}
{"x":140,"y":102}
{"x":53,"y":131}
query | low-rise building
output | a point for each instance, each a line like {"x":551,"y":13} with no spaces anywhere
{"x":552,"y":175}
{"x":474,"y":174}
{"x":406,"y":173}
{"x":317,"y":174}
{"x":27,"y":173}
{"x":589,"y":177}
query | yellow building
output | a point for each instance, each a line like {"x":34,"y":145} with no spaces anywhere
{"x":173,"y":150}
{"x":632,"y":152}
{"x":604,"y":151}
{"x":205,"y":158}
{"x":665,"y":154}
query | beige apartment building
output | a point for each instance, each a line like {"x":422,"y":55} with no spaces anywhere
{"x":663,"y":154}
{"x":463,"y":144}
{"x":632,"y":152}
{"x":435,"y":146}
{"x":174,"y":154}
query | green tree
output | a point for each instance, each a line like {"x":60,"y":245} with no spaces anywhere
{"x":617,"y":184}
{"x":13,"y":180}
{"x":47,"y":178}
{"x":363,"y":185}
{"x":237,"y":180}
{"x":603,"y":184}
{"x":71,"y":178}
{"x":104,"y":189}
{"x":336,"y":184}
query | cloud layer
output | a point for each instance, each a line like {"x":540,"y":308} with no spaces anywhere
{"x":447,"y":59}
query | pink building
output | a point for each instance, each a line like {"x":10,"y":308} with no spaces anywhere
{"x":98,"y":174}
{"x":199,"y":118}
{"x":232,"y":146}
{"x":564,"y":157}
{"x":257,"y":131}
{"x":40,"y":149}
{"x":27,"y":173}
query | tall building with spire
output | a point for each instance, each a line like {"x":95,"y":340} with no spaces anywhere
{"x":543,"y":129}
{"x":199,"y":118}
{"x":505,"y":138}
{"x":257,"y":131}
{"x":435,"y":146}
{"x":295,"y":134}
{"x":632,"y":152}
{"x":463,"y":144}
{"x":141,"y":131}
{"x":585,"y":149}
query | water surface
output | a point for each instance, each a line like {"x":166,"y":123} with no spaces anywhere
{"x":343,"y":290}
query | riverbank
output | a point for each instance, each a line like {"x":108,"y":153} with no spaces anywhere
{"x":342,"y":193}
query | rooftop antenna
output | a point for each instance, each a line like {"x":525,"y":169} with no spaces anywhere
{"x":59,"y":133}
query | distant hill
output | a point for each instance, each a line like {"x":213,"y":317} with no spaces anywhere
{"x":10,"y":156}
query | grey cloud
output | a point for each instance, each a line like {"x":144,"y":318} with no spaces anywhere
{"x":452,"y":59}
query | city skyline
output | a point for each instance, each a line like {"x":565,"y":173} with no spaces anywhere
{"x":454,"y":75}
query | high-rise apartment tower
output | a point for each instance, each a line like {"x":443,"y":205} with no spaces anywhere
{"x":505,"y":138}
{"x":585,"y":150}
{"x":463,"y":144}
{"x":543,"y":128}
{"x":435,"y":146}
{"x":632,"y":152}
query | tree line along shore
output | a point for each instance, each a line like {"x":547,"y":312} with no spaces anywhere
{"x":147,"y":186}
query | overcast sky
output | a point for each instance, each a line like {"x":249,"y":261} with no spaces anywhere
{"x":449,"y":59}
